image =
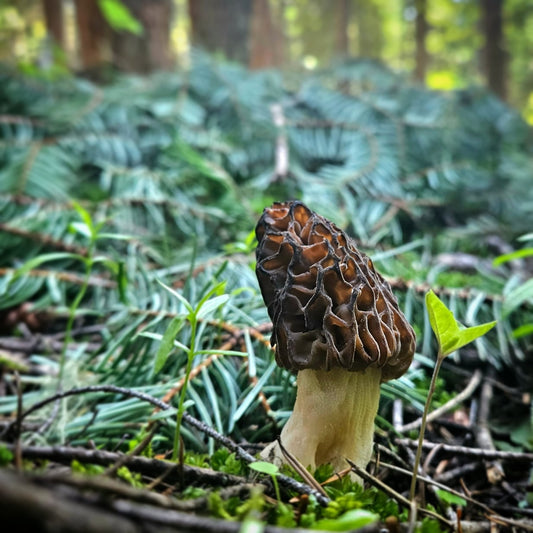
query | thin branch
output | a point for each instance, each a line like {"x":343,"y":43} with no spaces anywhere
{"x":470,"y":452}
{"x":287,"y":481}
{"x":143,"y":465}
{"x":43,"y":238}
{"x":393,"y":494}
{"x":77,"y":512}
{"x":448,"y":406}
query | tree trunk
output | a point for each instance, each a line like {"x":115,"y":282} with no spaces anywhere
{"x":494,"y":57}
{"x":342,"y":42}
{"x":370,"y":25}
{"x":92,"y":34}
{"x":53,"y":17}
{"x":421,"y":29}
{"x":266,"y":39}
{"x":222,"y":27}
{"x":151,"y":50}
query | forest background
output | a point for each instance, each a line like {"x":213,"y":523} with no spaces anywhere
{"x":446,"y":44}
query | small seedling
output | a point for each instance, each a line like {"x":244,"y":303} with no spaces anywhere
{"x":92,"y":231}
{"x":451,"y":336}
{"x":268,"y":468}
{"x":212,"y":300}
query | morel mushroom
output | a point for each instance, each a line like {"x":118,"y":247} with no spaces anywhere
{"x":337,"y":323}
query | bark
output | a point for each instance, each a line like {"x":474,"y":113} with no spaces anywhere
{"x":92,"y":34}
{"x":53,"y":17}
{"x":494,"y":57}
{"x":266,"y":39}
{"x":421,"y":29}
{"x":370,"y":24}
{"x":342,"y":44}
{"x":222,"y":27}
{"x":151,"y":50}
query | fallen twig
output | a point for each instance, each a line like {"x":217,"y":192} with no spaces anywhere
{"x":448,"y":406}
{"x":286,"y":481}
{"x":396,"y":495}
{"x":471,"y":452}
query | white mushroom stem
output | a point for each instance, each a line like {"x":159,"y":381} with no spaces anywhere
{"x":333,"y":419}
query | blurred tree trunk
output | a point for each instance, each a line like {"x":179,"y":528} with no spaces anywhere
{"x":53,"y":17}
{"x":494,"y":58}
{"x":266,"y":38}
{"x":370,"y":25}
{"x":151,"y":50}
{"x":222,"y":26}
{"x":92,"y":34}
{"x":421,"y":30}
{"x":342,"y":41}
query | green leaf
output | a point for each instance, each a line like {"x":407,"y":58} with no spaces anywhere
{"x":211,"y":305}
{"x":252,"y":525}
{"x":450,"y":498}
{"x":218,"y":289}
{"x":467,"y":335}
{"x":122,"y":282}
{"x":181,"y":298}
{"x":265,"y":468}
{"x":518,"y":254}
{"x":442,"y":321}
{"x":167,"y":342}
{"x":517,"y":297}
{"x":450,"y":334}
{"x":522,"y":331}
{"x":81,"y":228}
{"x":119,"y":17}
{"x":526,"y":237}
{"x":115,"y":236}
{"x":44,"y":258}
{"x":84,"y":215}
{"x":158,"y":337}
{"x":354,"y":519}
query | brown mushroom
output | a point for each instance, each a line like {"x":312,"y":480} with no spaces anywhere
{"x":337,"y":323}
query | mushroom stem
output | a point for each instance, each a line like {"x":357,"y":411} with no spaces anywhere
{"x":333,"y":418}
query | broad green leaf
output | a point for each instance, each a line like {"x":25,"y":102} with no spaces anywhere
{"x":442,"y":321}
{"x":119,"y":16}
{"x":167,"y":342}
{"x":354,"y":519}
{"x":450,"y":334}
{"x":468,"y":335}
{"x":265,"y":468}
{"x":448,"y":497}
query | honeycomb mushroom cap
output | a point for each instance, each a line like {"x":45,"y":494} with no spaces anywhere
{"x":328,"y":305}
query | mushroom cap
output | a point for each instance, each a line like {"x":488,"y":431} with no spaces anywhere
{"x":328,"y":305}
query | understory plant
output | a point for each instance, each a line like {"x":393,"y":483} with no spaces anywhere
{"x":92,"y":232}
{"x":193,"y":315}
{"x":451,"y":335}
